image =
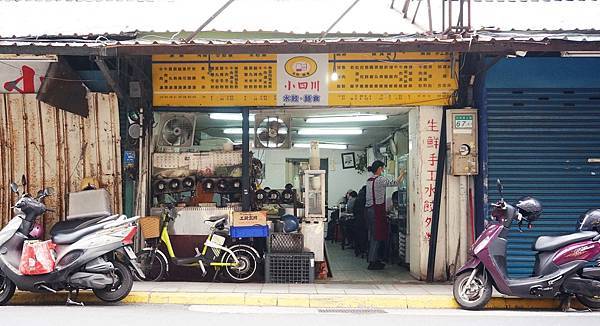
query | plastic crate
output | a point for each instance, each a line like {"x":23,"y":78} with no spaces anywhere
{"x":257,"y":231}
{"x":286,"y":242}
{"x":290,"y":268}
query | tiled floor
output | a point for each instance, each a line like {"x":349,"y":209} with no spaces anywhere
{"x":347,"y":268}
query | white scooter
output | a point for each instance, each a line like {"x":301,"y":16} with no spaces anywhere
{"x":97,"y":257}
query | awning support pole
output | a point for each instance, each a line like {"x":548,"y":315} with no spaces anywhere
{"x":338,"y":20}
{"x":437,"y":199}
{"x":210,"y":19}
{"x":246,"y":159}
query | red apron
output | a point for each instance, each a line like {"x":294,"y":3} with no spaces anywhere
{"x":381,"y":224}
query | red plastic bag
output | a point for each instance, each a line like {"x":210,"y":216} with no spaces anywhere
{"x":38,"y":257}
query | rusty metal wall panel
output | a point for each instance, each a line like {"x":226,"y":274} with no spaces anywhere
{"x":55,"y":148}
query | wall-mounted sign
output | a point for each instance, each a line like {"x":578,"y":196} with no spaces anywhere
{"x":361,"y":79}
{"x":22,"y":76}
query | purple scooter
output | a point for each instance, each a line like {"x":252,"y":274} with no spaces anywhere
{"x":561,"y":267}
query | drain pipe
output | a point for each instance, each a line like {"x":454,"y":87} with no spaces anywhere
{"x":437,"y":200}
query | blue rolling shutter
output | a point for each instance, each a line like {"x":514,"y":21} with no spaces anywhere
{"x":539,"y":143}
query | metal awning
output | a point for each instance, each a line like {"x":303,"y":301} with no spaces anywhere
{"x":146,"y":44}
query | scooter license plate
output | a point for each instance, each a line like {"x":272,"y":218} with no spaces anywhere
{"x":130,"y":253}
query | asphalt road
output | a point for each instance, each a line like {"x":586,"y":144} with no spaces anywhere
{"x":172,"y":315}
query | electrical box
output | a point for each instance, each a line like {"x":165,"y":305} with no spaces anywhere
{"x":464,"y":147}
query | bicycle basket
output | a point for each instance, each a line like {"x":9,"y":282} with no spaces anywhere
{"x":150,"y":226}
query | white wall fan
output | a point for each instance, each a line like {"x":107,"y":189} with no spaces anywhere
{"x":176,"y":129}
{"x":272,"y":131}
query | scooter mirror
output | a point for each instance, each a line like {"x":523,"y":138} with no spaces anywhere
{"x":23,"y":180}
{"x":14,"y":187}
{"x":49,"y":191}
{"x":500,"y":188}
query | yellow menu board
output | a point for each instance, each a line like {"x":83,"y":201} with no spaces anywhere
{"x":340,"y":79}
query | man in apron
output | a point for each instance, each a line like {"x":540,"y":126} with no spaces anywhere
{"x":376,"y":212}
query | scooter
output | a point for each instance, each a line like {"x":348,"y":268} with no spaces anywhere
{"x":97,"y":257}
{"x":561,"y":268}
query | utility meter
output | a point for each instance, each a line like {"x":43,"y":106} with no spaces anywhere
{"x":464,"y":152}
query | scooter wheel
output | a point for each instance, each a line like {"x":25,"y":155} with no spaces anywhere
{"x":120,"y":289}
{"x":473,"y":296}
{"x":590,"y":302}
{"x":7,"y":289}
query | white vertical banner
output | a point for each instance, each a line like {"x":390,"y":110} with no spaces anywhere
{"x":302,"y":79}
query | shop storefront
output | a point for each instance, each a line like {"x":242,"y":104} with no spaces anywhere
{"x":310,"y":116}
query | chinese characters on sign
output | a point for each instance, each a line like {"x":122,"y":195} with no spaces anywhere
{"x":431,"y":134}
{"x":302,"y":79}
{"x":21,"y":76}
{"x":365,"y":79}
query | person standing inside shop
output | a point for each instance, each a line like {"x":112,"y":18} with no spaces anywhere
{"x":376,"y":212}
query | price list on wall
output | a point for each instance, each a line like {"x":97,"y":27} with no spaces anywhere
{"x":362,"y":79}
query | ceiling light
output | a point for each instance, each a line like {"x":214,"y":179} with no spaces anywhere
{"x":235,"y":131}
{"x":238,"y":131}
{"x":228,"y":116}
{"x":335,"y":76}
{"x":324,"y":146}
{"x":582,"y":54}
{"x":347,"y":118}
{"x":330,"y":131}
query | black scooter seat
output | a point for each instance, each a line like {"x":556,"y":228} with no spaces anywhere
{"x":72,"y":237}
{"x":70,"y":226}
{"x":546,"y":243}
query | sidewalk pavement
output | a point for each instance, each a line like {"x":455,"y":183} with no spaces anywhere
{"x":414,"y":295}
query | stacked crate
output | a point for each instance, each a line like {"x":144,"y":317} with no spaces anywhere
{"x":286,"y":262}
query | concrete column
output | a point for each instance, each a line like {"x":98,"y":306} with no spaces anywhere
{"x":424,"y":135}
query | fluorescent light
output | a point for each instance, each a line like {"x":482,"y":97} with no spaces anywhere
{"x":228,"y":116}
{"x":347,"y":118}
{"x":238,"y":131}
{"x":235,"y":131}
{"x":330,"y":131}
{"x":581,"y":54}
{"x":324,"y":146}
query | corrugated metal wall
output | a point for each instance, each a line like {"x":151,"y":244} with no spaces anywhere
{"x":539,"y":143}
{"x":54,"y":148}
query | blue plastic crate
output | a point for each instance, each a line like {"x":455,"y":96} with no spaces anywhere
{"x":257,"y":231}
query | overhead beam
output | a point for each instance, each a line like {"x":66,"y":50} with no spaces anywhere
{"x":464,"y":45}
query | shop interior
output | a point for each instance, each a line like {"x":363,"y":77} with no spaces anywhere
{"x":304,"y":165}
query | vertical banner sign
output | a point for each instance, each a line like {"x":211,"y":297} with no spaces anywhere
{"x":302,"y":79}
{"x":430,"y":124}
{"x":22,"y":77}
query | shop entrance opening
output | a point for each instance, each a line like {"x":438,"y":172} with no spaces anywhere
{"x":200,"y":151}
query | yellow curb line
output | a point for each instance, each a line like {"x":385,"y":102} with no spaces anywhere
{"x":383,"y":301}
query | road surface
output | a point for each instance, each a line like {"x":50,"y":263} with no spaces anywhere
{"x":172,"y":315}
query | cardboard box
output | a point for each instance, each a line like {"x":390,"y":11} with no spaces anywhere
{"x":249,"y":218}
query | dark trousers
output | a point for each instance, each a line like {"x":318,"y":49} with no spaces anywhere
{"x":375,"y":246}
